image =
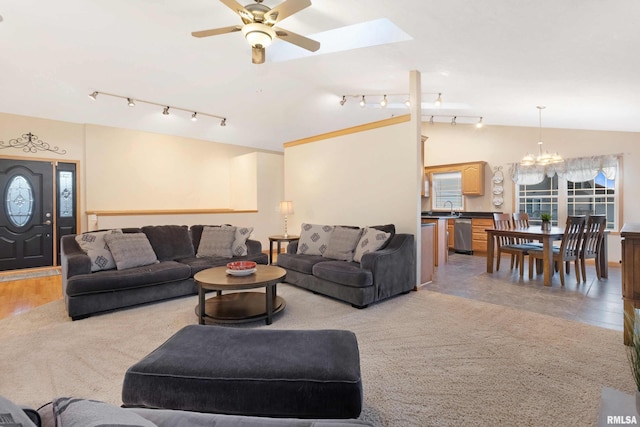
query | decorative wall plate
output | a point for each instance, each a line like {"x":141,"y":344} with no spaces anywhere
{"x":497,"y":179}
{"x":497,"y":201}
{"x":498,"y":189}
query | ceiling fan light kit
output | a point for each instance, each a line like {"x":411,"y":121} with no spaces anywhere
{"x":258,"y":28}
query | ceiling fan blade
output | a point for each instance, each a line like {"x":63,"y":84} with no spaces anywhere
{"x":239,"y":9}
{"x":285,"y":9}
{"x":216,"y":31}
{"x":258,"y":55}
{"x":297,"y":39}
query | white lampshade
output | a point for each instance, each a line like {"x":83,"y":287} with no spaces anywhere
{"x":258,"y":35}
{"x":286,"y":207}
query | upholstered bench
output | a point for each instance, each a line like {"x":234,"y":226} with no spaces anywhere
{"x":259,"y":372}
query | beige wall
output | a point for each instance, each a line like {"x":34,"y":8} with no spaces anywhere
{"x":502,"y":146}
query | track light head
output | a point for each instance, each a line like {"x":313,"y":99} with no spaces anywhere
{"x":343,"y":100}
{"x":407,"y":103}
{"x":479,"y":124}
{"x":383,"y":103}
{"x":431,"y":120}
{"x":223,"y":122}
{"x":194,"y":117}
{"x":165,"y":111}
{"x":130,"y":102}
{"x":453,"y":121}
{"x":363,"y":102}
{"x":93,"y":95}
{"x":438,"y":101}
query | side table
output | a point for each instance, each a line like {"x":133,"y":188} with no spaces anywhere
{"x":278,"y":239}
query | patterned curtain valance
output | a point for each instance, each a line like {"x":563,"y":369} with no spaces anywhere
{"x":576,"y":170}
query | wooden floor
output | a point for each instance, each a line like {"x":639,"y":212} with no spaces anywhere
{"x":23,"y":295}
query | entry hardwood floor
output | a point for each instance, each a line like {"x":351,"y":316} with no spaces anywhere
{"x":19,"y":296}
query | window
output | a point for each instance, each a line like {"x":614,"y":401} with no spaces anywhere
{"x":447,"y":191}
{"x":587,"y":187}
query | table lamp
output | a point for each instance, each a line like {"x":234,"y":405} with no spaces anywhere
{"x":286,"y":208}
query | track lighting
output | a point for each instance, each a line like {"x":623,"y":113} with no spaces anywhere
{"x":407,"y":103}
{"x":363,"y":103}
{"x":165,"y":108}
{"x":344,"y":100}
{"x":438,"y":101}
{"x":454,"y":119}
{"x":390,"y":100}
{"x":383,"y":103}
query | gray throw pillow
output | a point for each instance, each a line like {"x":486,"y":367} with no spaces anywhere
{"x":74,"y":412}
{"x":370,"y":241}
{"x":131,"y":250}
{"x":239,"y":245}
{"x":96,"y":248}
{"x":314,"y":239}
{"x":13,"y":415}
{"x":217,"y":242}
{"x":342,"y":243}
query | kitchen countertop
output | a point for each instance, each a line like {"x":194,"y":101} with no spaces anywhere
{"x":466,"y":215}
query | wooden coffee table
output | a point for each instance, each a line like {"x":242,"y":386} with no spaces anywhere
{"x":239,"y":307}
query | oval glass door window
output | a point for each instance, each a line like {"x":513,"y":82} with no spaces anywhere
{"x":19,"y":201}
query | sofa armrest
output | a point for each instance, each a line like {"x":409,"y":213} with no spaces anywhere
{"x":394,"y":267}
{"x":292,"y":247}
{"x":73,"y":259}
{"x":253,"y":247}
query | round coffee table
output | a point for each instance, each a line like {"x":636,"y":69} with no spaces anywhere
{"x":239,"y":307}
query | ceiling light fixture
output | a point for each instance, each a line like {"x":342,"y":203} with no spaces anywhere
{"x":543,"y":158}
{"x":363,"y":103}
{"x":407,"y":103}
{"x":479,"y":124}
{"x":387,"y":101}
{"x":344,"y":100}
{"x":223,"y":122}
{"x":383,"y":103}
{"x":477,"y":121}
{"x":453,"y":121}
{"x":258,"y":35}
{"x":165,"y":108}
{"x":438,"y":101}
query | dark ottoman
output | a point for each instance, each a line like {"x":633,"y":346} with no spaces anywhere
{"x":260,"y":372}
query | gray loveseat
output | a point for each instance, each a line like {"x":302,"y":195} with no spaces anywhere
{"x":88,"y":292}
{"x":359,"y":279}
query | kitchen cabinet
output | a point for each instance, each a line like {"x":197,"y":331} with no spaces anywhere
{"x":479,"y":236}
{"x":472,"y":175}
{"x":440,"y":246}
{"x":450,"y":228}
{"x":630,"y":234}
{"x":427,"y":246}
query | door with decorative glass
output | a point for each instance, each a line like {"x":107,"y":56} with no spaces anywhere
{"x":27,"y":215}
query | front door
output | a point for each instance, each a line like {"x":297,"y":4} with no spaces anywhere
{"x":26,"y":217}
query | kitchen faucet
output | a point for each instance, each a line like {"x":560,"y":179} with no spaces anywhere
{"x":451,"y":204}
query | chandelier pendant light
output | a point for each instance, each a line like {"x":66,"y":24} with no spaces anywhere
{"x":544,"y":158}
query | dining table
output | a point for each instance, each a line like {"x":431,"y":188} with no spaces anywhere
{"x":546,"y":237}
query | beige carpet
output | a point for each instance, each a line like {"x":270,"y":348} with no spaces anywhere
{"x":428,"y":359}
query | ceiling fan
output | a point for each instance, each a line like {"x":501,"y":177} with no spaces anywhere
{"x":259,"y":29}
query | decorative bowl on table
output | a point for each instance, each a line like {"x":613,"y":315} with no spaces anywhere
{"x":241,"y":268}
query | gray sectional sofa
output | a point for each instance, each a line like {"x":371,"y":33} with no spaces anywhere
{"x":339,"y":262}
{"x":168,"y":274}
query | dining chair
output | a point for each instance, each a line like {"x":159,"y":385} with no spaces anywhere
{"x":521,"y":220}
{"x":569,"y":250}
{"x":507,"y":244}
{"x":592,"y":243}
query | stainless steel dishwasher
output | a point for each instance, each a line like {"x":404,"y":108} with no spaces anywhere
{"x":462,"y":235}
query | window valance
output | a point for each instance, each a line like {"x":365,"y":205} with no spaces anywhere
{"x":576,"y":170}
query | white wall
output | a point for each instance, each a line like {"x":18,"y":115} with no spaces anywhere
{"x":502,"y":146}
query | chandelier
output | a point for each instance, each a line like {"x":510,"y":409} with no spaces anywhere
{"x":544,"y":158}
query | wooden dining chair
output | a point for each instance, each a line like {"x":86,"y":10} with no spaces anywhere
{"x":592,"y":243}
{"x":521,"y":220}
{"x":569,"y":249}
{"x":507,"y":244}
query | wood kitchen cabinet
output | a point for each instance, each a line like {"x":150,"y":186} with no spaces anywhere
{"x":472,"y":176}
{"x":630,"y":234}
{"x":450,"y":229}
{"x":440,"y":246}
{"x":428,"y":260}
{"x":479,"y":236}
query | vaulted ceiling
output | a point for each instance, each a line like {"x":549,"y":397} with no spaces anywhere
{"x":497,"y":59}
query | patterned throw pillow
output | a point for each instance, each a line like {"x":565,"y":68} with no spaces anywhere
{"x":342,"y":243}
{"x":131,"y":250}
{"x":371,"y":240}
{"x":239,"y":245}
{"x":314,"y":239}
{"x":217,"y":242}
{"x":96,"y":248}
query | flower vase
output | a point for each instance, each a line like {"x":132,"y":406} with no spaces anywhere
{"x":546,"y":226}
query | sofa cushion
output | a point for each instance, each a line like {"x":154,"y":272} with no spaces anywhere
{"x":75,"y":412}
{"x":239,"y":245}
{"x":300,"y":263}
{"x":314,"y":239}
{"x":170,"y":242}
{"x":344,"y":273}
{"x":342,"y":243}
{"x":216,"y":242}
{"x":137,"y":277}
{"x":371,"y":240}
{"x":13,"y":415}
{"x":96,"y":248}
{"x":130,"y":250}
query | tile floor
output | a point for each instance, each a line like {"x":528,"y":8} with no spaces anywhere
{"x":596,"y":302}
